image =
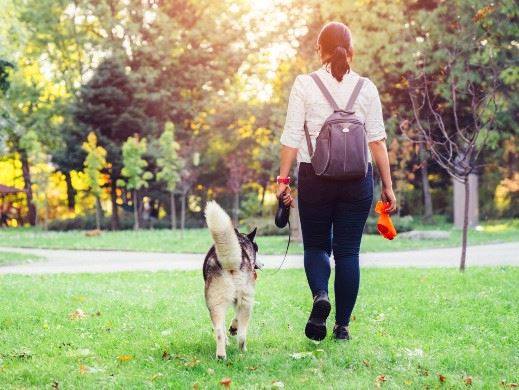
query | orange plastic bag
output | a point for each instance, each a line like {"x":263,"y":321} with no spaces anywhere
{"x":384,"y":224}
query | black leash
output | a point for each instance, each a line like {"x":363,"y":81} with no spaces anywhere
{"x":286,"y":251}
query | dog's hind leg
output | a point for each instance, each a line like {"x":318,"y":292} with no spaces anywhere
{"x":243,"y":316}
{"x":218,"y":319}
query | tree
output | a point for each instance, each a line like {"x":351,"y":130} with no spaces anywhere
{"x":452,"y":89}
{"x":40,"y":172}
{"x":239,"y":174}
{"x":133,"y":170}
{"x":94,"y":163}
{"x":106,"y":105}
{"x":170,"y":165}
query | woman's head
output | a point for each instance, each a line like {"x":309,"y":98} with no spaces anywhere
{"x":335,"y":47}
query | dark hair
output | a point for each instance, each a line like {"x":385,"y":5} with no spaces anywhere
{"x":335,"y":41}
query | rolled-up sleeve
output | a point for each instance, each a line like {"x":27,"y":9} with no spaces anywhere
{"x":375,"y":128}
{"x":293,"y":131}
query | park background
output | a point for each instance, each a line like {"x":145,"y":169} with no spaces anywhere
{"x":151,"y":108}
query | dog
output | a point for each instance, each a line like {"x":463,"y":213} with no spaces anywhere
{"x":230,"y":277}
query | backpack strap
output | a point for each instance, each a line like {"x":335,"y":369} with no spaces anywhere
{"x":325,"y":91}
{"x":308,"y":141}
{"x":355,"y":94}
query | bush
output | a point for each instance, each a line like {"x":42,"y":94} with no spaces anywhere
{"x":402,"y":224}
{"x":266,"y":226}
{"x":88,"y":222}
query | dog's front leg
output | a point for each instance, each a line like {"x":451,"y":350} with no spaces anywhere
{"x":218,"y":319}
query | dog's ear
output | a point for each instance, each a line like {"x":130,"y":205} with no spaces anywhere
{"x":252,"y":234}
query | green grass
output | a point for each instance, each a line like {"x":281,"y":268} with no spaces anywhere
{"x":11,"y":258}
{"x":410,"y":326}
{"x":198,"y":240}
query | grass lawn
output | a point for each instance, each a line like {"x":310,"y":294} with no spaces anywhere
{"x":431,"y":328}
{"x":11,"y":258}
{"x":198,"y":240}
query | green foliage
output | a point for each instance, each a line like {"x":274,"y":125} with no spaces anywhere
{"x":134,"y":165}
{"x":94,"y":163}
{"x":168,"y":160}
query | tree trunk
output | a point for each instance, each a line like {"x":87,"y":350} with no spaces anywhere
{"x":263,"y":194}
{"x":236,"y":209}
{"x":115,"y":211}
{"x":99,"y":211}
{"x":465,"y":225}
{"x":46,"y":215}
{"x":426,"y":187}
{"x":135,"y":211}
{"x":71,"y":192}
{"x":182,"y":213}
{"x":173,"y":213}
{"x":28,"y":187}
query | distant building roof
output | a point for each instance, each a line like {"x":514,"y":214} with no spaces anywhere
{"x":9,"y":190}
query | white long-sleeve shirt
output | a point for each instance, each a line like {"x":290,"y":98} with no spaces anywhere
{"x":306,"y":102}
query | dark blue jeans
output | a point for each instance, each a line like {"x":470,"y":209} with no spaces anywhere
{"x":333,"y":215}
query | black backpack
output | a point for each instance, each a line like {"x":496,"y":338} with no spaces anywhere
{"x":341,"y":150}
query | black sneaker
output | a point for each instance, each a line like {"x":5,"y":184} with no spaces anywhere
{"x":340,"y":332}
{"x":316,"y":326}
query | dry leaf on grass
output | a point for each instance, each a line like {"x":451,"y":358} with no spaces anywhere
{"x":442,"y":378}
{"x":77,"y":314}
{"x":300,"y":355}
{"x":467,"y":379}
{"x":124,"y":358}
{"x":196,"y":385}
{"x":226,"y":382}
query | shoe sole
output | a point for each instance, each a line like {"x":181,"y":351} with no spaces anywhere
{"x":316,"y":326}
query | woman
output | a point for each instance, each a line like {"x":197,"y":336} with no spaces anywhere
{"x":332,"y":213}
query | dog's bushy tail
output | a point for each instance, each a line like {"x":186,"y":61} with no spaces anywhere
{"x":225,"y":239}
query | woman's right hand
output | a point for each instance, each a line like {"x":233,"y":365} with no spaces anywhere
{"x":287,"y":197}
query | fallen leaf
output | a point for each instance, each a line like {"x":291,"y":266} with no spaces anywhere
{"x":22,"y":353}
{"x":252,"y":368}
{"x":442,"y":378}
{"x":166,"y":355}
{"x":408,"y":382}
{"x":380,"y":317}
{"x":196,"y":385}
{"x":226,"y":382}
{"x":77,"y":314}
{"x":193,"y":363}
{"x":513,"y":385}
{"x":468,"y":380}
{"x":278,"y":385}
{"x":381,"y":378}
{"x":366,"y":363}
{"x":166,"y":332}
{"x":300,"y":355}
{"x":83,"y":369}
{"x":124,"y":358}
{"x":353,"y":318}
{"x":156,"y":376}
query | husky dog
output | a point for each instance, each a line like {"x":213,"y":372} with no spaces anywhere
{"x":230,"y":276}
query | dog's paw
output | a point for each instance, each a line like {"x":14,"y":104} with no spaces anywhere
{"x":233,"y":331}
{"x":221,"y":357}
